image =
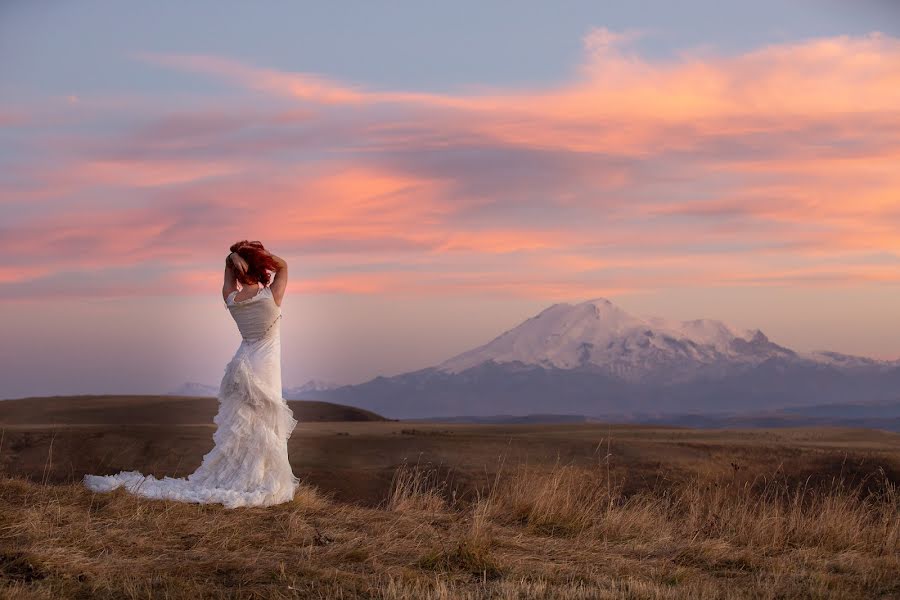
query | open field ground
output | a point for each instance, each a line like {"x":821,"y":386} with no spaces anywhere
{"x":411,"y":510}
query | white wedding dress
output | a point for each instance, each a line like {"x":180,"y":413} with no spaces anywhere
{"x":248,"y":466}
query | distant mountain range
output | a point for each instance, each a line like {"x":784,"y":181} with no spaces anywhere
{"x":593,"y":358}
{"x":311,"y":386}
{"x":301,"y":392}
{"x":192,"y":388}
{"x":882,"y":415}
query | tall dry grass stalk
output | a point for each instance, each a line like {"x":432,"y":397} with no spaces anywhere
{"x":416,"y":488}
{"x":561,"y":501}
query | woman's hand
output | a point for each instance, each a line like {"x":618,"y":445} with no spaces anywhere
{"x":239,"y":264}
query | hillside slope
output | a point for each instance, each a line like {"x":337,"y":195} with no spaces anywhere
{"x":150,"y":410}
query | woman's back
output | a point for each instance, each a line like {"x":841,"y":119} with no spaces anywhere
{"x":256,"y":316}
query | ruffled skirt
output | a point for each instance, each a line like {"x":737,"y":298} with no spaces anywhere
{"x":248,"y":466}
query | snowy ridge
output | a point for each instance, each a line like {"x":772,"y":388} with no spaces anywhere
{"x":313,"y":385}
{"x":598,"y":335}
{"x":192,"y":388}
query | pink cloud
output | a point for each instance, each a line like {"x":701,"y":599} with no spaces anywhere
{"x":719,"y":95}
{"x":776,"y":165}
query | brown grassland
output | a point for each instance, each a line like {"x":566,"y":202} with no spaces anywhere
{"x":398,"y":510}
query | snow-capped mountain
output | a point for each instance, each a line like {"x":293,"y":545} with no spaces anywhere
{"x":310,"y":388}
{"x":192,"y":388}
{"x":597,"y":334}
{"x":593,"y":358}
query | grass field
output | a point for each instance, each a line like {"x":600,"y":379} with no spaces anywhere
{"x":402,"y":510}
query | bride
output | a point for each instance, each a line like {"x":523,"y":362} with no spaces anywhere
{"x":248,"y":466}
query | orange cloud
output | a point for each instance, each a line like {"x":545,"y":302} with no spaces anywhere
{"x":623,"y":102}
{"x":776,"y":165}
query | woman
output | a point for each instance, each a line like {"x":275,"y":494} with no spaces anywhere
{"x":249,"y":464}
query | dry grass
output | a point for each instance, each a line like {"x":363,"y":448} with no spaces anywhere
{"x":416,"y":488}
{"x":836,"y":517}
{"x":562,"y":531}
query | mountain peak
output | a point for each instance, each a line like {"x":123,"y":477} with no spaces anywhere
{"x":759,"y":337}
{"x":597,"y":302}
{"x":598,"y":334}
{"x":314,"y":385}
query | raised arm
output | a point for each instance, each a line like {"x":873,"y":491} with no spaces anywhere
{"x":279,"y":284}
{"x":230,"y":283}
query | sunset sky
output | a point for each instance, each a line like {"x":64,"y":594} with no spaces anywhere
{"x":435,"y":173}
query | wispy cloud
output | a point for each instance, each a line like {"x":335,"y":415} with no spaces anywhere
{"x":776,"y":166}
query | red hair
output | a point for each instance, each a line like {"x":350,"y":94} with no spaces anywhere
{"x":260,"y":264}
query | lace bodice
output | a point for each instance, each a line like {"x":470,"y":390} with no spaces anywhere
{"x":256,"y":317}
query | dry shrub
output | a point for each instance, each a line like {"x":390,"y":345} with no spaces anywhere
{"x":21,"y":566}
{"x":563,"y":500}
{"x":308,"y":499}
{"x":416,"y":488}
{"x":465,"y":554}
{"x":775,"y":515}
{"x":470,"y":551}
{"x":637,"y":517}
{"x":567,"y":500}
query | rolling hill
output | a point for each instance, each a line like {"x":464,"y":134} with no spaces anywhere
{"x":150,"y":410}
